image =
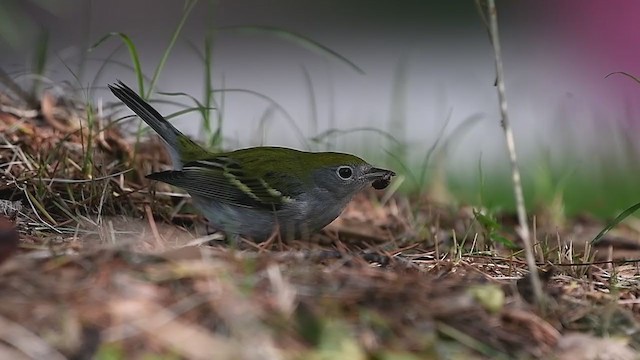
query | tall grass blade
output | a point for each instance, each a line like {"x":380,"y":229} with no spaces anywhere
{"x":313,"y":106}
{"x":87,"y":151}
{"x":176,"y":33}
{"x":296,"y":39}
{"x":275,"y":104}
{"x":40,"y":62}
{"x":133,"y":53}
{"x":623,"y":215}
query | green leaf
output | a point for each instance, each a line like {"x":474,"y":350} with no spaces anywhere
{"x":487,"y":222}
{"x":505,"y":242}
{"x":623,"y":215}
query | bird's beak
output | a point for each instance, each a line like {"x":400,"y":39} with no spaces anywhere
{"x":380,"y":178}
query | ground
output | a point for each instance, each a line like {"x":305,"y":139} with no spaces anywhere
{"x":96,"y":262}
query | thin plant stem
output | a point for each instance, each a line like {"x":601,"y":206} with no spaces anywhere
{"x":511,"y":147}
{"x":176,"y":33}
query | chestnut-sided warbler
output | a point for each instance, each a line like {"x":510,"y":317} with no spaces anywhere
{"x":254,"y":191}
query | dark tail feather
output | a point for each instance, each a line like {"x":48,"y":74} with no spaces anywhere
{"x":152,"y":117}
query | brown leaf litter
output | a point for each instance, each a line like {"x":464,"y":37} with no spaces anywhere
{"x":104,"y":267}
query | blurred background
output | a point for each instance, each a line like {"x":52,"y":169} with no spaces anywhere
{"x":421,"y":72}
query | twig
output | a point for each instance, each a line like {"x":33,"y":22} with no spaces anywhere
{"x":152,"y":225}
{"x":511,"y":147}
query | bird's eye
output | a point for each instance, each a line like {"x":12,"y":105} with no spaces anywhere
{"x":345,"y":172}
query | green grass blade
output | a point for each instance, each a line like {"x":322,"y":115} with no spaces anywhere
{"x":203,"y":109}
{"x":277,"y":106}
{"x":103,"y":65}
{"x":212,"y":135}
{"x":176,"y":33}
{"x":182,"y":112}
{"x":196,"y":101}
{"x":296,"y":39}
{"x":209,"y":100}
{"x":133,"y":52}
{"x":338,"y":132}
{"x":313,"y":106}
{"x":452,"y":138}
{"x":89,"y":111}
{"x":623,"y":215}
{"x":40,"y":62}
{"x":431,"y":150}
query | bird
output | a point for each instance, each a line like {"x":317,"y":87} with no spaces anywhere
{"x":258,"y":191}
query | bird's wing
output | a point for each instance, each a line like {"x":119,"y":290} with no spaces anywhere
{"x":223,"y":179}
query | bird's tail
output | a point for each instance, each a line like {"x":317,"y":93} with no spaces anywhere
{"x":180,"y":147}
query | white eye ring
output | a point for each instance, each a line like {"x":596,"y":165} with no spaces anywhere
{"x":345,"y":172}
